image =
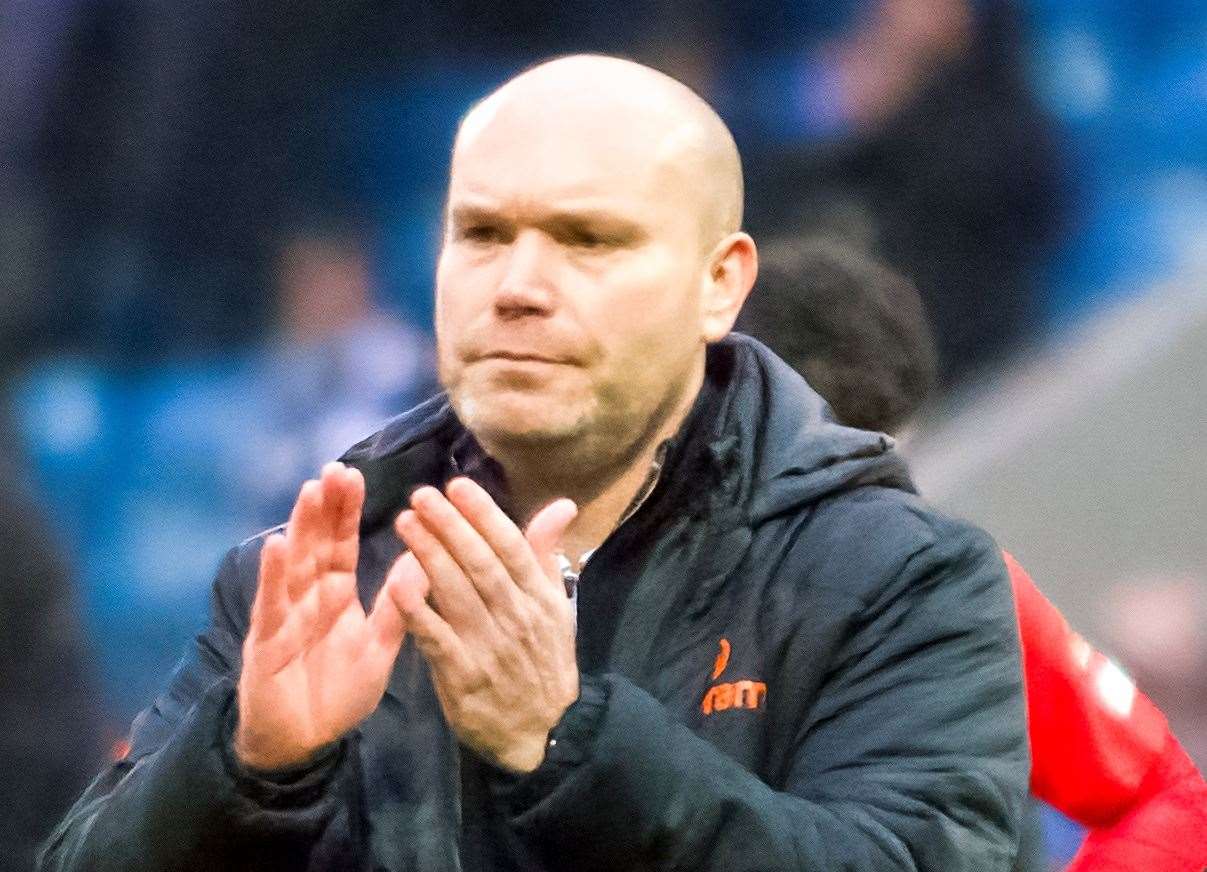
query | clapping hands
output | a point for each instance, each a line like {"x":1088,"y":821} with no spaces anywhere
{"x":483,"y":601}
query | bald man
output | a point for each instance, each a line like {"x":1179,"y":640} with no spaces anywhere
{"x":623,"y":597}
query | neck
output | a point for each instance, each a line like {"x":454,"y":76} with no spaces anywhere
{"x":601,"y":475}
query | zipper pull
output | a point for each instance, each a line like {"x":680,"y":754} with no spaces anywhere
{"x":569,"y":576}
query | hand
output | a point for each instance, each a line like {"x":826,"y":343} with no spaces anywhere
{"x":500,"y":640}
{"x":314,"y":664}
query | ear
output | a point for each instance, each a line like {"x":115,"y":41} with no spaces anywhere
{"x":732,"y":268}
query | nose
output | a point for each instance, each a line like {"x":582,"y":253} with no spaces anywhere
{"x":526,"y":288}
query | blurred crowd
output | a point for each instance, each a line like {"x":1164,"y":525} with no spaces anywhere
{"x":221,"y":222}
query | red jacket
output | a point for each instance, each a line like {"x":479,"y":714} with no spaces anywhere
{"x":1102,"y":753}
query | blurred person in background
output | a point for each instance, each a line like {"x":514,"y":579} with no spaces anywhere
{"x":174,"y":144}
{"x":156,"y":469}
{"x":52,"y":734}
{"x":167,"y":149}
{"x":918,"y":116}
{"x":852,"y":326}
{"x":1102,"y":752}
{"x":337,"y":366}
{"x":32,"y":38}
{"x":173,"y":147}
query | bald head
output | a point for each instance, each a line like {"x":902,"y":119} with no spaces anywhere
{"x":591,"y":252}
{"x":666,"y":125}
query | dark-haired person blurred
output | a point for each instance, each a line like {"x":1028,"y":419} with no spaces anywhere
{"x":1102,"y":753}
{"x":851,"y":325}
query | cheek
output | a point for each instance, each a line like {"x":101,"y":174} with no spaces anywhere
{"x":652,"y":329}
{"x":455,"y":296}
{"x":651,"y":302}
{"x":450,"y":319}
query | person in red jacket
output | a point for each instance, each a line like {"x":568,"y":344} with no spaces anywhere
{"x":1102,"y":752}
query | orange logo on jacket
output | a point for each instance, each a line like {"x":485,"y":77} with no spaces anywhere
{"x":745,"y":694}
{"x":722,"y":659}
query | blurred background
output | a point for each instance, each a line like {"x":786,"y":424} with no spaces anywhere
{"x":217,"y":243}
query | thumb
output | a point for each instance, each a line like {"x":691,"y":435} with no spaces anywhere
{"x":547,"y":527}
{"x":407,"y":583}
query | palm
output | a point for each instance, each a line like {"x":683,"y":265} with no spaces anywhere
{"x":314,"y":663}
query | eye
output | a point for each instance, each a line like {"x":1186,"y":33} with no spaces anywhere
{"x":482,"y":234}
{"x":584,"y":238}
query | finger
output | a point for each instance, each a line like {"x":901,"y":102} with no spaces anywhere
{"x":331,"y":486}
{"x":336,"y":595}
{"x":347,"y":497}
{"x":330,"y":506}
{"x":452,"y":593}
{"x":407,"y":583}
{"x":272,"y":596}
{"x":439,"y":643}
{"x":305,"y":521}
{"x":490,"y":577}
{"x":301,"y":535}
{"x":502,"y":536}
{"x":544,"y":534}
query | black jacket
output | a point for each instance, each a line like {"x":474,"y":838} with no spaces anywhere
{"x":813,"y":670}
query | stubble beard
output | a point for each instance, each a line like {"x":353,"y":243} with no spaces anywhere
{"x":510,"y":420}
{"x":504,"y":427}
{"x":575,"y":451}
{"x":573,"y":445}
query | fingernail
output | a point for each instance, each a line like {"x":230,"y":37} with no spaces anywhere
{"x":467,"y":486}
{"x":427,"y":492}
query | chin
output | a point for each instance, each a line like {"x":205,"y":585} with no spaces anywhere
{"x":520,"y":418}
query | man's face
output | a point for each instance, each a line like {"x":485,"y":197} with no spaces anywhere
{"x":568,"y":293}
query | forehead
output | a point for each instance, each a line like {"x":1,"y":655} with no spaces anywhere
{"x":568,"y":157}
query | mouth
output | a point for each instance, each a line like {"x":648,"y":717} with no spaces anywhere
{"x":523,"y":357}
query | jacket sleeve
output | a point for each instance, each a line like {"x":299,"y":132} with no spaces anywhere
{"x":1096,"y":740}
{"x":912,"y":757}
{"x":179,"y":800}
{"x":1166,"y":832}
{"x":1102,"y":752}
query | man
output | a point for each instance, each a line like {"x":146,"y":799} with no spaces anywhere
{"x":1102,"y":753}
{"x":773,"y":656}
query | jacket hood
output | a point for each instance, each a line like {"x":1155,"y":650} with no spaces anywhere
{"x":797,"y":453}
{"x":774,"y":442}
